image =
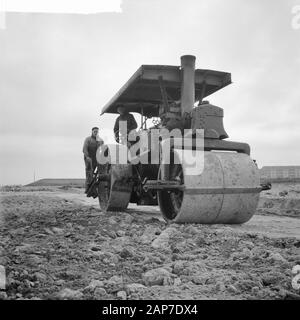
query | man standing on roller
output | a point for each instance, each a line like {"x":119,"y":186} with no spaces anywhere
{"x":90,"y":147}
{"x":121,"y":132}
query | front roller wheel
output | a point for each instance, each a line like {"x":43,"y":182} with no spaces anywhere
{"x":226,"y":191}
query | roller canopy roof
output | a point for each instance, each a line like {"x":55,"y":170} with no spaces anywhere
{"x":142,"y":94}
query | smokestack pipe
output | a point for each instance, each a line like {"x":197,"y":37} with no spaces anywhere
{"x":187,"y":84}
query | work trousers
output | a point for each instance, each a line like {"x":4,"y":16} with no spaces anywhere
{"x":89,"y":170}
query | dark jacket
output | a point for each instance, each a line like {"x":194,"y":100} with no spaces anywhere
{"x":131,"y":124}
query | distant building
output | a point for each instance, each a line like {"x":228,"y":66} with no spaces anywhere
{"x":280,"y":173}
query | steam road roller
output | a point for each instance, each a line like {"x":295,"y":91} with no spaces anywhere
{"x":225,"y":186}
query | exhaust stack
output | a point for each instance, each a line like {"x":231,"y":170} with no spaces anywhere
{"x":187,"y":84}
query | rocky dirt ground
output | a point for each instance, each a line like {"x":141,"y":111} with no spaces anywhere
{"x":57,"y":244}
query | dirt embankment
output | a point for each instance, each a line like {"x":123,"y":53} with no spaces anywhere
{"x":283,"y":200}
{"x":56,"y":245}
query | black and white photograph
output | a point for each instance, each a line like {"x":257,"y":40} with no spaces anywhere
{"x":150,"y":150}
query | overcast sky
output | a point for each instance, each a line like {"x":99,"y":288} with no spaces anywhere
{"x":58,"y":70}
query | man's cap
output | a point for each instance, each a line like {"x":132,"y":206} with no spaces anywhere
{"x":95,"y":128}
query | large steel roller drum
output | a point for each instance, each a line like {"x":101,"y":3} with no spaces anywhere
{"x":227,"y":191}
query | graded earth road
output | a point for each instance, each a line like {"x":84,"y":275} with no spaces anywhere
{"x":56,"y":244}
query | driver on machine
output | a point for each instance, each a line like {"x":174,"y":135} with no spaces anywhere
{"x":124,"y":124}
